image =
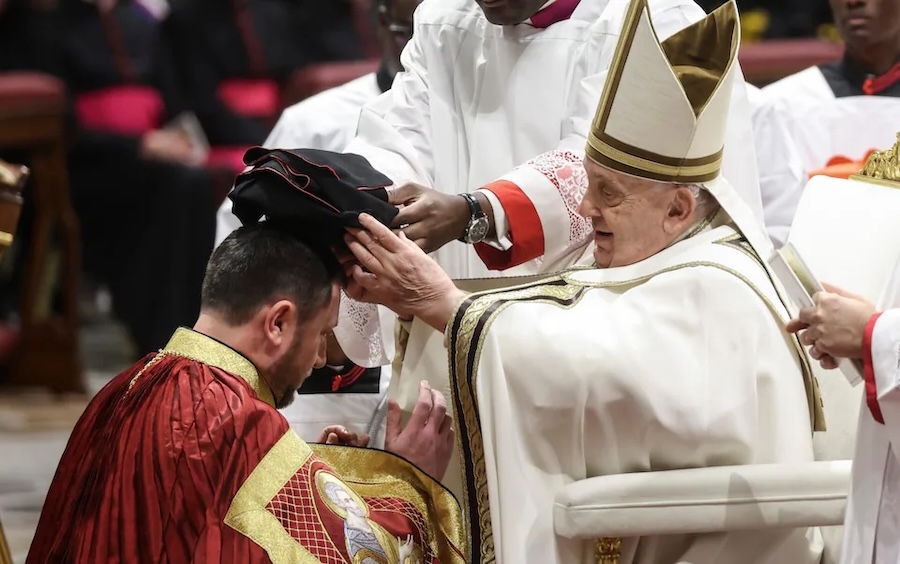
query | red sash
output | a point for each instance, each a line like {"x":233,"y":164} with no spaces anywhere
{"x":127,"y":109}
{"x":250,"y":97}
{"x":840,"y":166}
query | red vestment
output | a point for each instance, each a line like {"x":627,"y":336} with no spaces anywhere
{"x":183,"y":458}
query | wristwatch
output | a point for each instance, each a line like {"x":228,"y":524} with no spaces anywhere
{"x":477,"y":229}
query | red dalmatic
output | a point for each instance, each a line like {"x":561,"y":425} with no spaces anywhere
{"x":183,"y":458}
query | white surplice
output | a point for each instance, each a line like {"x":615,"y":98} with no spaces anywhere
{"x":825,"y":126}
{"x":478,"y":100}
{"x":781,"y":172}
{"x":872,"y":526}
{"x":326,"y":121}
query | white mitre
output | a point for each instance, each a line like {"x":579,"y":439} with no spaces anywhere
{"x":664,"y":108}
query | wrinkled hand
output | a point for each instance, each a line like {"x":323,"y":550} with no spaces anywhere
{"x":427,"y":439}
{"x":340,"y":435}
{"x":834,"y":327}
{"x":393,"y":271}
{"x":429,"y":218}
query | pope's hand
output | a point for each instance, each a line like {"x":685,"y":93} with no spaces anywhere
{"x":393,"y":271}
{"x":339,"y":435}
{"x":427,"y":438}
{"x":429,"y":218}
{"x":835,"y":326}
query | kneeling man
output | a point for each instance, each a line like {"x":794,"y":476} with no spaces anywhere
{"x":185,"y":458}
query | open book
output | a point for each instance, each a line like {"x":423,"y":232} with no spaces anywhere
{"x":801,"y":286}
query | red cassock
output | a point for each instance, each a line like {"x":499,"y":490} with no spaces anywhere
{"x":183,"y":458}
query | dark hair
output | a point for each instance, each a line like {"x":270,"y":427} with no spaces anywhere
{"x":259,"y":263}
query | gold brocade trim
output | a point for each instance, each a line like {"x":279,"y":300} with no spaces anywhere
{"x":197,"y":346}
{"x":5,"y":556}
{"x":604,"y":153}
{"x":468,"y":328}
{"x":376,"y":473}
{"x":248,"y":514}
{"x":882,"y":167}
{"x":608,"y":550}
{"x":140,"y":373}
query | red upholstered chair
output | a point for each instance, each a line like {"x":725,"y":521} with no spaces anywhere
{"x":313,"y":79}
{"x":768,"y":61}
{"x":32,"y":108}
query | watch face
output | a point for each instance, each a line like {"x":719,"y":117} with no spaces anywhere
{"x":478,"y":229}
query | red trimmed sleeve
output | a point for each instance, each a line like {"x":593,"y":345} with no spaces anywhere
{"x":524,"y":229}
{"x":869,"y":371}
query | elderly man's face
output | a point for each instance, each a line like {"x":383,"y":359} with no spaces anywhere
{"x":633,"y":218}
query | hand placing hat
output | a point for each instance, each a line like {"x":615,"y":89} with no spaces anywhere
{"x":395,"y":272}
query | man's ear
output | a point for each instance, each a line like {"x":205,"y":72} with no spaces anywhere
{"x":682,"y":205}
{"x":280,"y":321}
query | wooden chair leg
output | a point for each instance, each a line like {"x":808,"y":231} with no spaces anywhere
{"x":48,"y":353}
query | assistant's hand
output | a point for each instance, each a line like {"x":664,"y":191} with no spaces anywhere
{"x":393,"y":271}
{"x":431,"y":218}
{"x":340,"y":435}
{"x":427,"y":438}
{"x":835,"y":326}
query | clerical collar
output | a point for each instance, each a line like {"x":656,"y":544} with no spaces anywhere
{"x":552,"y":12}
{"x":203,"y":348}
{"x":859,"y":81}
{"x":384,"y":78}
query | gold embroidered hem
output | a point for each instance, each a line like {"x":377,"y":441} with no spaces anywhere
{"x":378,"y":475}
{"x":344,"y":504}
{"x":5,"y":556}
{"x":467,"y":330}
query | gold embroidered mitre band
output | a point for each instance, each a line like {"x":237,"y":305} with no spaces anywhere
{"x":664,"y":107}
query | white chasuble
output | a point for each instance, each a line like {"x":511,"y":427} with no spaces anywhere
{"x":678,"y":361}
{"x":872,"y":526}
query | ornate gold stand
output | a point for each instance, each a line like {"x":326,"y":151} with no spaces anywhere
{"x":609,"y":550}
{"x":882,"y":167}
